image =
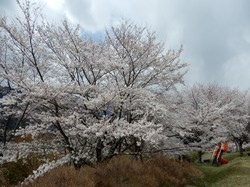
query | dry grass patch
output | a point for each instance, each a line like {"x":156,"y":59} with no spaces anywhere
{"x":123,"y":172}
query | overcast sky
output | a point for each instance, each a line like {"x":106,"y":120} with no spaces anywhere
{"x":215,"y":33}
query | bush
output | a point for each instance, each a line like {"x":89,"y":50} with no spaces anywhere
{"x":247,"y":148}
{"x":14,"y":172}
{"x":123,"y":172}
{"x":191,"y":156}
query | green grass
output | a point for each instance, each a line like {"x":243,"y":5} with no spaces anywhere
{"x":235,"y":173}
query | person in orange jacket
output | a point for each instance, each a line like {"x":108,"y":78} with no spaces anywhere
{"x":215,"y":153}
{"x":224,"y":147}
{"x":218,"y":152}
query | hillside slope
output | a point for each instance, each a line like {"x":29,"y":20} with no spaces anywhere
{"x":235,"y":173}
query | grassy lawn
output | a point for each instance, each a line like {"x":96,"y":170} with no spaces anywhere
{"x":235,"y":174}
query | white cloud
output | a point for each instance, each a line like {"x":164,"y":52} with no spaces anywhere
{"x":55,"y":4}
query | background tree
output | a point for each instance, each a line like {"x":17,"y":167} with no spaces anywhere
{"x":202,"y":111}
{"x":236,"y":119}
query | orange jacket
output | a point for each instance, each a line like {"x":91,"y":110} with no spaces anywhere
{"x":216,"y":150}
{"x":225,"y":146}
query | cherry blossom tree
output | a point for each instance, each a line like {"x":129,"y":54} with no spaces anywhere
{"x":208,"y":114}
{"x":200,"y":113}
{"x":95,"y":98}
{"x":236,"y":119}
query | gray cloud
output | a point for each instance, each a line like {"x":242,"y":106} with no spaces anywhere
{"x":215,"y":34}
{"x":212,"y":32}
{"x":7,"y":7}
{"x":6,"y":4}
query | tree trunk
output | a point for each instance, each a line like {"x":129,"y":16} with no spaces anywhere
{"x":199,"y":155}
{"x":240,"y":148}
{"x":236,"y":147}
{"x":5,"y":130}
{"x":99,"y":148}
